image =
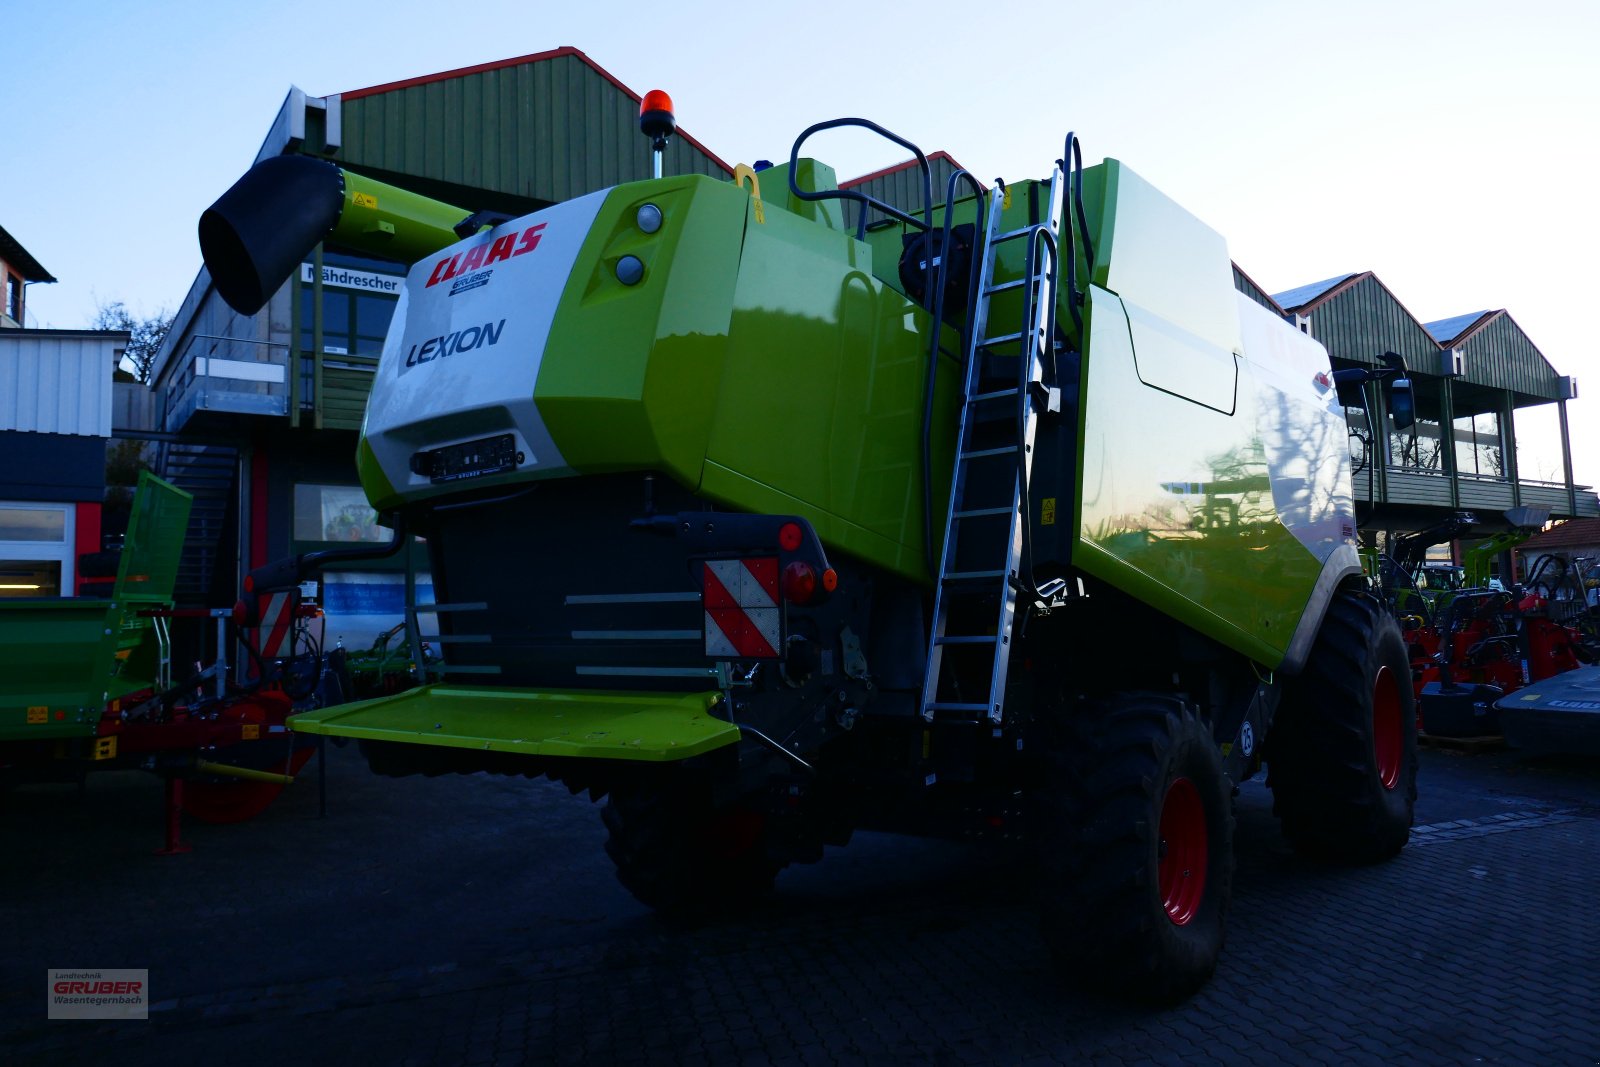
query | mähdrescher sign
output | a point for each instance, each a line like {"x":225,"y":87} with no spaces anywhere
{"x":345,"y":278}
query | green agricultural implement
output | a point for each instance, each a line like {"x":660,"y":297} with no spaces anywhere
{"x":1007,"y":516}
{"x":86,"y":684}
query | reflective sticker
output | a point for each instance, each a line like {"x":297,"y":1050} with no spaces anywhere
{"x":249,"y":731}
{"x":1247,"y":738}
{"x":275,"y":634}
{"x":38,"y":714}
{"x":743,"y":620}
{"x":106,"y":747}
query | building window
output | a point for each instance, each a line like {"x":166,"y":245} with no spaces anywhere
{"x":1419,"y":447}
{"x":36,"y":550}
{"x":335,"y":513}
{"x":14,"y":298}
{"x":358,"y":300}
{"x":1537,"y":434}
{"x":1479,"y":448}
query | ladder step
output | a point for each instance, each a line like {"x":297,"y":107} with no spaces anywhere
{"x":1006,"y":286}
{"x":967,"y":576}
{"x":1007,"y":450}
{"x":1012,"y":235}
{"x":955,"y":707}
{"x":966,"y":639}
{"x":1002,"y":339}
{"x":977,"y":513}
{"x":998,"y":394}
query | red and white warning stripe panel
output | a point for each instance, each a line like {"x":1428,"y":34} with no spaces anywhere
{"x":275,"y":633}
{"x":743,"y":619}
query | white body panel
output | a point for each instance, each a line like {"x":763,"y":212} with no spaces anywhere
{"x":1302,"y":430}
{"x":468,"y":337}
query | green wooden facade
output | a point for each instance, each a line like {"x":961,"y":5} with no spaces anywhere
{"x":542,"y":128}
{"x":1499,"y":371}
{"x":901,"y":186}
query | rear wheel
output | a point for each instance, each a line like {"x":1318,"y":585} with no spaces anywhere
{"x":1342,"y":759}
{"x":684,"y":857}
{"x":1138,"y":852}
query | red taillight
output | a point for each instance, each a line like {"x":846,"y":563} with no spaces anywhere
{"x":799,"y":582}
{"x":241,"y":611}
{"x":790,"y":536}
{"x":830,"y":580}
{"x":249,"y":583}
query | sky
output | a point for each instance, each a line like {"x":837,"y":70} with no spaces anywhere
{"x":1451,"y":147}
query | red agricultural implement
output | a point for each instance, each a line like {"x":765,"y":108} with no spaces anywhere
{"x":87,"y":683}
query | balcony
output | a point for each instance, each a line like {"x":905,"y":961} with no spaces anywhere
{"x":332,"y":390}
{"x":1409,"y":487}
{"x":218,"y":377}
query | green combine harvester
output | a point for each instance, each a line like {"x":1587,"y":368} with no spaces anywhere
{"x":1007,"y":518}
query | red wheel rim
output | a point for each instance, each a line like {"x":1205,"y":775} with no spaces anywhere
{"x":1388,"y":731}
{"x":1184,"y":848}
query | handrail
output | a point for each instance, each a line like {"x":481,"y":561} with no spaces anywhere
{"x":980,"y":251}
{"x":924,"y":224}
{"x":1071,"y":163}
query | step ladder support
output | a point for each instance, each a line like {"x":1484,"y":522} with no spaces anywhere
{"x":970,"y":595}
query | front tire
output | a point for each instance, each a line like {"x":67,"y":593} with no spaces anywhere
{"x":1342,"y":758}
{"x":1138,"y":852}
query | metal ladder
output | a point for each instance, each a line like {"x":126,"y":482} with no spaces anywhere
{"x":983,"y":536}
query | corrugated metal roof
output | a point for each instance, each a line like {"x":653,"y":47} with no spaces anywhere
{"x":58,"y":381}
{"x":12,"y":252}
{"x":1447,"y":330}
{"x":1294,"y":299}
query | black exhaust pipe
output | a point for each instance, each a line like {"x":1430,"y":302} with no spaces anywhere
{"x":259,"y":231}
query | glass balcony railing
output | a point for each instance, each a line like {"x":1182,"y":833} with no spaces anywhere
{"x":227,"y":375}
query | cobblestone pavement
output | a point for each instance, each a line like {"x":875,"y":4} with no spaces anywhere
{"x":476,"y":920}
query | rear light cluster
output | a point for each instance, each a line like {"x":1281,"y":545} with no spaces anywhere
{"x":801,"y":583}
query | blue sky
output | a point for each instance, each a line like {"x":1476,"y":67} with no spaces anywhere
{"x":1450,"y":147}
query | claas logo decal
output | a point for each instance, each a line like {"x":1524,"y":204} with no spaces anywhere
{"x":484,"y":253}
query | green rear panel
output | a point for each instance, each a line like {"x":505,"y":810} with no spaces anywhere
{"x":591,"y":724}
{"x":771,"y":371}
{"x":55,"y":660}
{"x":153,"y":548}
{"x":146,"y":575}
{"x":820,"y":409}
{"x":61,"y":660}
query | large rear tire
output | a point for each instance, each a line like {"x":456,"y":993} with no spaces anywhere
{"x":1342,"y":756}
{"x":1138,"y":851}
{"x":682,"y":856}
